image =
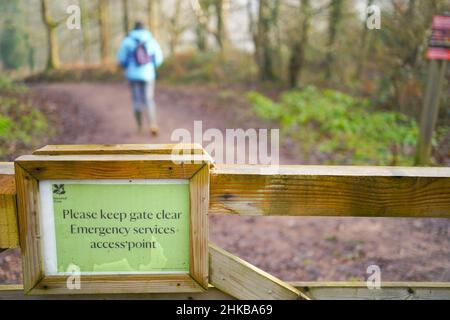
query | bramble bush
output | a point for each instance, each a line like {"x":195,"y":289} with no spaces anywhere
{"x":191,"y":67}
{"x":340,"y":129}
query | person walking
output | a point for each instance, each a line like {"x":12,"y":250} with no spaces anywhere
{"x":140,"y":55}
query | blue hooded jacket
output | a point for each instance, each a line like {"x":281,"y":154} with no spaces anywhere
{"x":125,"y":56}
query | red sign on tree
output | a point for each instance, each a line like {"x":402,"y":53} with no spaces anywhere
{"x":439,"y":42}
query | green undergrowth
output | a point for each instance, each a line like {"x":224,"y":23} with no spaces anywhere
{"x":22,"y":125}
{"x":340,"y":129}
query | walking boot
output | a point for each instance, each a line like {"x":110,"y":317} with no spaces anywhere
{"x":154,"y":130}
{"x":138,"y":116}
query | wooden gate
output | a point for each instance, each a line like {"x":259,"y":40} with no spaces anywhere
{"x":343,"y":191}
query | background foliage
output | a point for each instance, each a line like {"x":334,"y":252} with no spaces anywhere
{"x":22,"y":125}
{"x":342,"y":128}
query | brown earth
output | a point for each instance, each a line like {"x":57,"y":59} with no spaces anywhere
{"x":292,"y":248}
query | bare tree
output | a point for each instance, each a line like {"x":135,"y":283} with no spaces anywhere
{"x":201,"y":10}
{"x":404,"y":69}
{"x":53,"y":61}
{"x":221,"y":9}
{"x":253,"y":29}
{"x":86,"y":40}
{"x":103,"y":20}
{"x":125,"y":16}
{"x":153,"y":16}
{"x":364,"y":46}
{"x":333,"y":25}
{"x":263,"y":42}
{"x":297,"y":54}
{"x":176,"y":28}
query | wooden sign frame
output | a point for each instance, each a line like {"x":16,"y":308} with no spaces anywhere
{"x":29,"y":170}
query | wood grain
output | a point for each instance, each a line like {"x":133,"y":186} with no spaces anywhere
{"x":199,"y":231}
{"x":160,"y":149}
{"x":29,"y":227}
{"x":15,"y":292}
{"x":315,"y":290}
{"x":244,"y":281}
{"x":388,"y":290}
{"x":112,"y":166}
{"x":330,"y":191}
{"x":31,"y":169}
{"x":9,"y":233}
{"x":114,"y":284}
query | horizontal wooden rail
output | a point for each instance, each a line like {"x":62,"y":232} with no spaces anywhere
{"x":343,"y":290}
{"x":315,"y":290}
{"x":9,"y":235}
{"x":297,"y":191}
{"x":119,"y":149}
{"x":330,"y":191}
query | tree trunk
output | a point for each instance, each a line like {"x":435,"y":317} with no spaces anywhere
{"x":201,"y":38}
{"x":263,"y":42}
{"x":153,"y":17}
{"x":297,"y":59}
{"x":277,"y":43}
{"x":31,"y":49}
{"x":85,"y":31}
{"x":253,"y":30}
{"x":103,"y":20}
{"x":201,"y":10}
{"x":335,"y":20}
{"x":364,"y":46}
{"x":221,"y":7}
{"x":175,"y":29}
{"x":411,"y":8}
{"x":30,"y":52}
{"x":53,"y":61}
{"x":125,"y":17}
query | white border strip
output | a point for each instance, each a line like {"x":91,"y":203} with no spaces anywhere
{"x":47,"y":225}
{"x":120,"y":181}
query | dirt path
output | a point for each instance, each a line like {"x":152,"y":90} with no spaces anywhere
{"x":291,"y":248}
{"x":178,"y":107}
{"x":110,"y":105}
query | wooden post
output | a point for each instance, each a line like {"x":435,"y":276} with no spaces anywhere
{"x":9,"y":233}
{"x":430,"y":110}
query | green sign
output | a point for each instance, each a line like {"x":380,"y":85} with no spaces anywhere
{"x":119,"y":226}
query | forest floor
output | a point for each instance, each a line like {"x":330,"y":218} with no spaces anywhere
{"x":292,"y":248}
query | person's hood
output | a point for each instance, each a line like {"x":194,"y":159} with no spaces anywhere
{"x":141,"y":34}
